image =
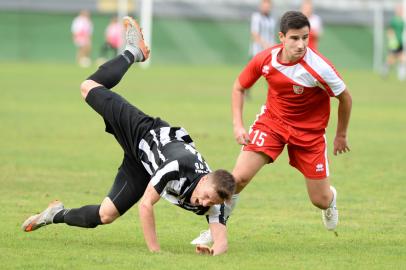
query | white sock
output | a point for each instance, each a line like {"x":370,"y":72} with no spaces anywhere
{"x":333,"y":201}
{"x":138,"y":56}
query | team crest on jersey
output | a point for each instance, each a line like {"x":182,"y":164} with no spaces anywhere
{"x":297,"y":89}
{"x":265,"y":70}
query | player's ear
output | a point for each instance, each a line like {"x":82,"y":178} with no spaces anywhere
{"x":281,"y":36}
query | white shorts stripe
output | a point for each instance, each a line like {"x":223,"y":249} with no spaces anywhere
{"x":325,"y":156}
{"x":263,"y":108}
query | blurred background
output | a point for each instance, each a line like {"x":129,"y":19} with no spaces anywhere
{"x":192,"y":32}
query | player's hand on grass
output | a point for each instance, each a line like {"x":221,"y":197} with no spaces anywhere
{"x":341,"y":145}
{"x":241,"y":135}
{"x":204,"y":250}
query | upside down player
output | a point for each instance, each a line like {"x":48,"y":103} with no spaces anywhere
{"x":159,"y":161}
{"x":296,"y":113}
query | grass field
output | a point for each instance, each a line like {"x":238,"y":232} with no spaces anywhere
{"x":52,"y":145}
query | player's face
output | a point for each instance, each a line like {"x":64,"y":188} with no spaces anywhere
{"x":294,"y":44}
{"x":206,"y":196}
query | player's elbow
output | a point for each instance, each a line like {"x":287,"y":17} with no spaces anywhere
{"x":237,"y":87}
{"x":144,"y":207}
{"x":345,"y":97}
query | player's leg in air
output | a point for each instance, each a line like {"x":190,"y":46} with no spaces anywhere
{"x":123,"y":194}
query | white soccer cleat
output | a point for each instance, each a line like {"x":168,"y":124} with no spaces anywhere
{"x":134,"y":38}
{"x":203,"y":239}
{"x":44,"y":218}
{"x":330,"y":215}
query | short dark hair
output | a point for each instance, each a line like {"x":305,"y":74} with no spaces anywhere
{"x":293,"y":20}
{"x":224,"y":183}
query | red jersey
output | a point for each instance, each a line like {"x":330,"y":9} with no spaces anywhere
{"x":299,"y":92}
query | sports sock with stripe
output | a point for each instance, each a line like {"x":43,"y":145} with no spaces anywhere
{"x":86,"y":217}
{"x":110,"y":73}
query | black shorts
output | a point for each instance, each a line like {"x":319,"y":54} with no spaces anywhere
{"x":129,"y":125}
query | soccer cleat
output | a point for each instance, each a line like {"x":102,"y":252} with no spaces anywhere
{"x":330,"y":215}
{"x":44,"y":218}
{"x":203,"y":239}
{"x":134,"y":38}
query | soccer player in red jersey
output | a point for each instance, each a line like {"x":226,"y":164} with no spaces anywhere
{"x":296,"y":113}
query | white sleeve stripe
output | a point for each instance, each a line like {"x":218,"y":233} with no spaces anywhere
{"x":170,"y":167}
{"x":143,"y":145}
{"x":324,"y":72}
{"x":319,"y":78}
{"x":157,"y":143}
{"x":164,"y":135}
{"x":219,"y":213}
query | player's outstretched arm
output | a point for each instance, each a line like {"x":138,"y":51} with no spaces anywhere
{"x":220,"y":244}
{"x":219,"y":234}
{"x":146,"y":212}
{"x":344,"y":112}
{"x":237,"y":103}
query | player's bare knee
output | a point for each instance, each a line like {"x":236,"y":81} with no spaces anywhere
{"x":107,"y":218}
{"x":87,"y":86}
{"x":108,"y":211}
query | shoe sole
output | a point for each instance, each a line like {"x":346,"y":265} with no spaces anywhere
{"x":131,"y":22}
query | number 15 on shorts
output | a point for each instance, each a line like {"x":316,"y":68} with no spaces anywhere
{"x":259,"y":138}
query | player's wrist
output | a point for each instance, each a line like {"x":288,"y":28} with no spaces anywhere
{"x":341,"y":135}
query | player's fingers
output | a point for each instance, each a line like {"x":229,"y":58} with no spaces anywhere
{"x":246,"y":138}
{"x":202,"y":249}
{"x":198,"y":249}
{"x":241,"y":140}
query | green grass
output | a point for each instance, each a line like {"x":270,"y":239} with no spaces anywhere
{"x":52,"y":145}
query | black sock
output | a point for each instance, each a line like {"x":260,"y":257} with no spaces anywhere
{"x":110,"y":73}
{"x":86,"y":216}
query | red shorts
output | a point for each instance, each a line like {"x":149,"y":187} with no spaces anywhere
{"x":307,"y":149}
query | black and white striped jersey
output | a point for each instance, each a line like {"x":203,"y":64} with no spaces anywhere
{"x":176,"y":167}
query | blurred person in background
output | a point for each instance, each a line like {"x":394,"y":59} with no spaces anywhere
{"x":262,"y":30}
{"x":396,"y":54}
{"x":296,"y":113}
{"x":316,"y":24}
{"x":82,"y":30}
{"x":113,"y":40}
